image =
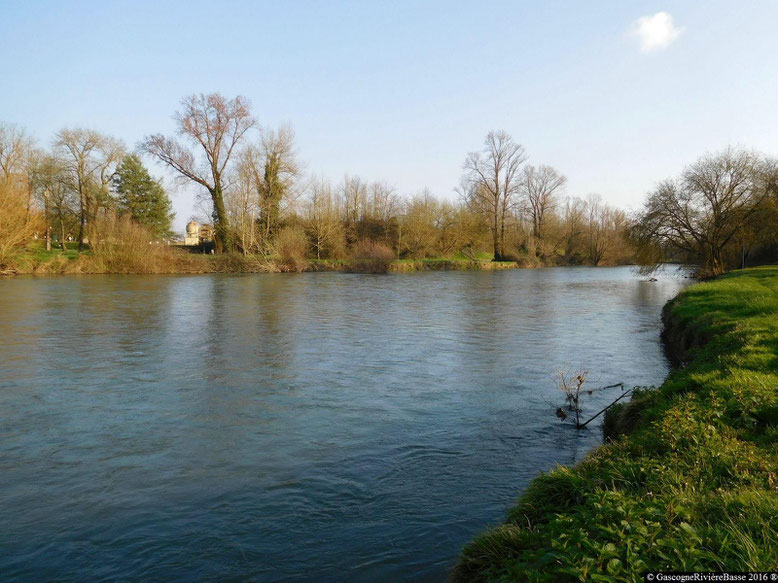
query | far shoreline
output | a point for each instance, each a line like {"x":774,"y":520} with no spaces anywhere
{"x":239,"y":264}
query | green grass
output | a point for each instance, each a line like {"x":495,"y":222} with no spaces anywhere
{"x":35,"y":255}
{"x":479,"y":256}
{"x":456,"y":262}
{"x":39,"y":254}
{"x":689,"y":482}
{"x":456,"y":258}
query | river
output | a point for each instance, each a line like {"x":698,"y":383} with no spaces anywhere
{"x":294,"y":427}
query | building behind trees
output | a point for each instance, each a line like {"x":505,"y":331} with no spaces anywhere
{"x":721,"y":212}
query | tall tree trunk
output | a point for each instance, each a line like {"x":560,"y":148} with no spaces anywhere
{"x":502,"y":232}
{"x":81,"y":221}
{"x":222,"y":235}
{"x":496,"y":233}
{"x":717,"y":262}
{"x":61,"y":230}
{"x":46,"y":220}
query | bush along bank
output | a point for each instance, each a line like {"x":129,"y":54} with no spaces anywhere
{"x":142,"y":258}
{"x":687,"y":479}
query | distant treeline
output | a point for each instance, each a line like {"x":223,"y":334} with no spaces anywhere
{"x":86,"y":186}
{"x":261,"y":203}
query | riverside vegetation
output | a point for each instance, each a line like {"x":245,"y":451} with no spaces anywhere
{"x":268,"y":216}
{"x":136,"y":256}
{"x":687,"y":478}
{"x":86,"y":189}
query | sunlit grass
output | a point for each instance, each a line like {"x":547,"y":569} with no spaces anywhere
{"x":690,"y":482}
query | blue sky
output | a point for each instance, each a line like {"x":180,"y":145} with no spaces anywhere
{"x":401,"y":91}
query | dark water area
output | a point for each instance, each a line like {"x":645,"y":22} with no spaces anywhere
{"x":311,"y":427}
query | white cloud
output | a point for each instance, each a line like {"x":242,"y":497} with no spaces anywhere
{"x":655,"y":32}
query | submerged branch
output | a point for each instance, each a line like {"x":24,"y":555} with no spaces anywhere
{"x":619,"y":398}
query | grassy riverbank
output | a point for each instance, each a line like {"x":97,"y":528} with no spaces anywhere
{"x":689,"y":480}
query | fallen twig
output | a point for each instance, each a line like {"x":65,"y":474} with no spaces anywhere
{"x":624,"y":394}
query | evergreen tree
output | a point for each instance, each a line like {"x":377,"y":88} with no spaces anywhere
{"x":142,"y":197}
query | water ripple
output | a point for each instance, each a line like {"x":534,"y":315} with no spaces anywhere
{"x":319,"y":427}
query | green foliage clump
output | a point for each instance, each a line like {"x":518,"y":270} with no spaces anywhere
{"x":687,"y":480}
{"x":143,"y":198}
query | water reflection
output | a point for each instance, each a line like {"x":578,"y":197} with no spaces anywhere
{"x":316,"y":426}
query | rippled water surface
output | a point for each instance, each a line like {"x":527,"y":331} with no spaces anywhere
{"x":316,"y":427}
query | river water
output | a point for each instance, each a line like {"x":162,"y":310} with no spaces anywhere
{"x":311,"y":427}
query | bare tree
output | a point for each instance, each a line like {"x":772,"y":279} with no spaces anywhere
{"x":16,"y":153}
{"x":491,"y":182}
{"x":18,"y":220}
{"x":354,"y":195}
{"x":460,"y":229}
{"x":38,"y":177}
{"x":15,"y":148}
{"x":322,"y":222}
{"x":596,"y":228}
{"x":266,"y":176}
{"x":540,"y":188}
{"x":280,"y":170}
{"x":90,"y":159}
{"x":573,"y":226}
{"x":420,"y":232}
{"x":17,"y":224}
{"x":759,"y":231}
{"x":52,"y":184}
{"x":214,"y":126}
{"x":242,"y":204}
{"x":702,"y":212}
{"x":605,"y":229}
{"x":383,"y":203}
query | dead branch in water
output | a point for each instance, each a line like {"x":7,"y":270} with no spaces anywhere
{"x":572,"y":385}
{"x":601,"y":411}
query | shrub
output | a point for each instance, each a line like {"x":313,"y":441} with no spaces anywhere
{"x":370,"y":257}
{"x":292,"y":248}
{"x":523,"y":258}
{"x":120,"y":245}
{"x":239,"y":263}
{"x":18,"y":224}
